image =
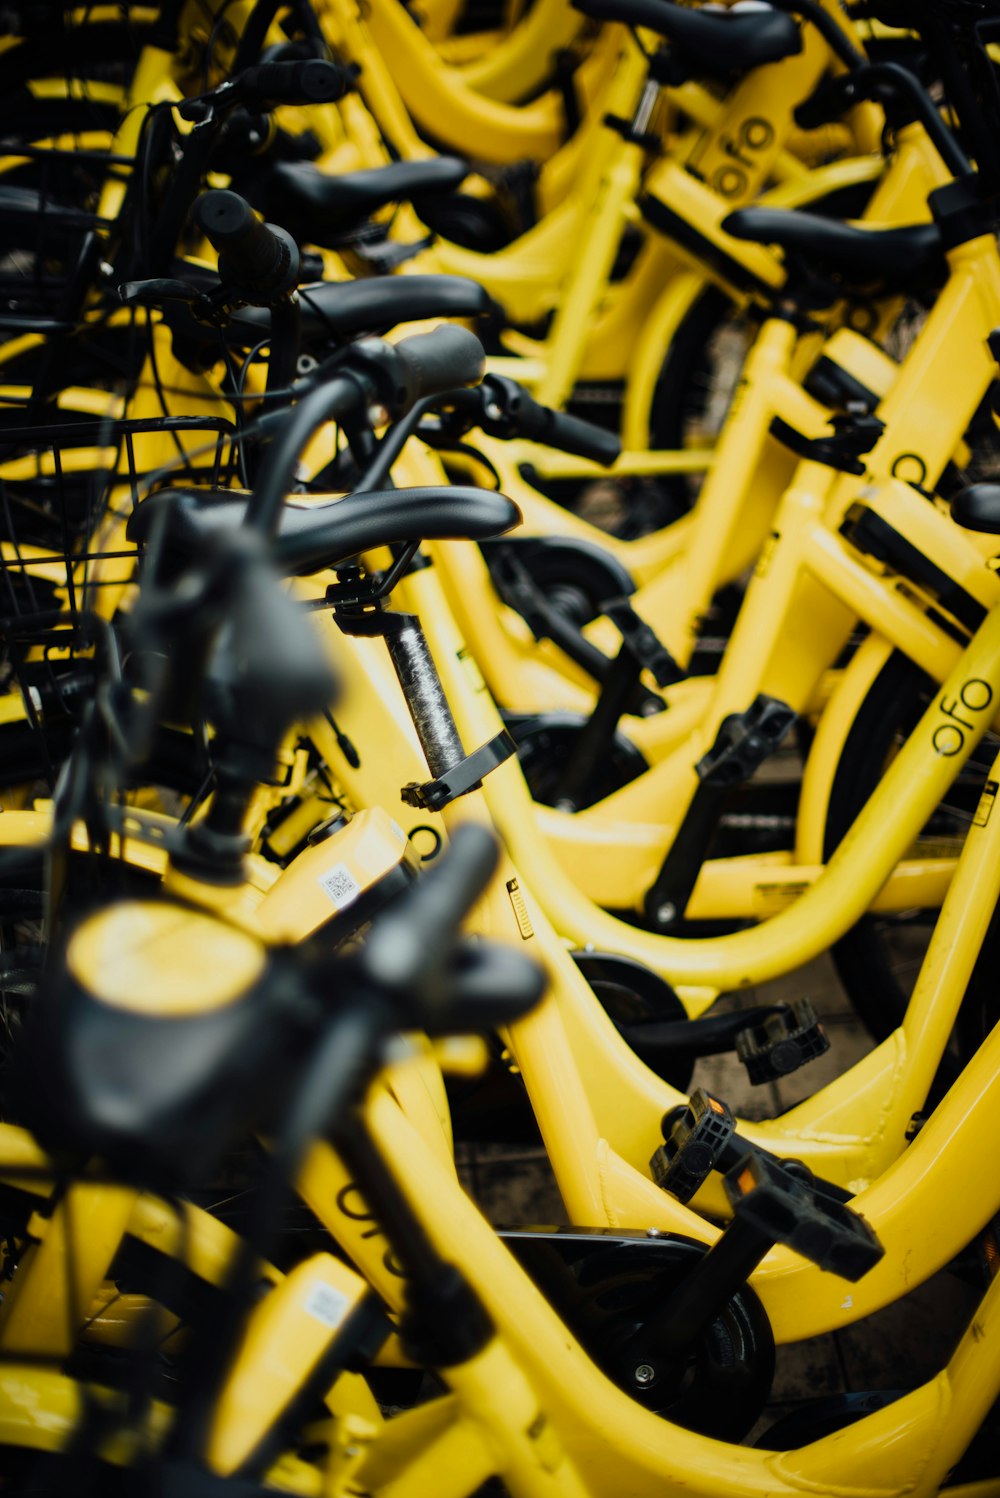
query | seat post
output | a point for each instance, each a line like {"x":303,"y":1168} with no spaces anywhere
{"x":429,"y":707}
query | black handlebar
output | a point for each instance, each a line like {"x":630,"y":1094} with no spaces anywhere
{"x":260,"y":260}
{"x":502,"y":408}
{"x":885,"y":82}
{"x":311,"y":82}
{"x":646,"y":13}
{"x":371,"y":371}
{"x":410,"y":949}
{"x":834,"y":35}
{"x":415,"y":958}
{"x":650,"y":13}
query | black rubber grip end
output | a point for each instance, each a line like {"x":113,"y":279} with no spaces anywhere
{"x":568,"y":433}
{"x":311,"y":82}
{"x":447,"y":358}
{"x":259,"y":259}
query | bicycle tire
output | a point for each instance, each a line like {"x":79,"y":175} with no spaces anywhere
{"x":685,"y":388}
{"x":878,"y":959}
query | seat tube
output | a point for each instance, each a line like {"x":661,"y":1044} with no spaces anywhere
{"x":600,"y":236}
{"x":720,"y":504}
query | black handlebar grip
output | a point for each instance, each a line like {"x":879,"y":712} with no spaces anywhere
{"x":310,"y":82}
{"x":411,"y":946}
{"x":260,"y":260}
{"x":444,"y":359}
{"x":567,"y":433}
{"x":495,"y":986}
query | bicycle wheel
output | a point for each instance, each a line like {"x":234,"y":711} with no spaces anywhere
{"x":696,"y":385}
{"x":702,"y":366}
{"x":878,"y":960}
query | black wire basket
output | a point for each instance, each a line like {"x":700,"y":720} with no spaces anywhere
{"x":51,"y":234}
{"x":66,"y":565}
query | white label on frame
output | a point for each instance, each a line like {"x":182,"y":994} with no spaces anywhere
{"x":326,"y":1304}
{"x":341,"y":886}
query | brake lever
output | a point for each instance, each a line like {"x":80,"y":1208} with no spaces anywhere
{"x":159,"y":289}
{"x":211,"y":307}
{"x":497,"y":419}
{"x":485,"y":408}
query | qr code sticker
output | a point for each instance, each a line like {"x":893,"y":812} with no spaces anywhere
{"x":341,"y":886}
{"x":326,"y":1304}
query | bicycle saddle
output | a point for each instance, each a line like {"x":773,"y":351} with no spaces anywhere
{"x":709,"y":41}
{"x":895,"y":253}
{"x":320,"y":535}
{"x":321,"y":209}
{"x":977,"y":508}
{"x":340,"y":309}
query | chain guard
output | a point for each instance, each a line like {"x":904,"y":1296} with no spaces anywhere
{"x":630,"y":993}
{"x":606,"y":1283}
{"x":545,"y":742}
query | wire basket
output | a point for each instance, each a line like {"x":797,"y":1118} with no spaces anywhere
{"x":51,"y":234}
{"x":66,"y":495}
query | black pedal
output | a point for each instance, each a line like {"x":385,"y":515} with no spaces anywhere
{"x":701,"y":1136}
{"x":771,"y":1203}
{"x":744,"y":741}
{"x":854,"y":434}
{"x":670,"y":1047}
{"x":788,"y":1039}
{"x":694,"y":1146}
{"x":642,"y":643}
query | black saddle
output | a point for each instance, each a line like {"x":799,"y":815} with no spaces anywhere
{"x":310,"y":539}
{"x":319,"y":209}
{"x":977,"y":508}
{"x":717,"y":42}
{"x":903,"y":255}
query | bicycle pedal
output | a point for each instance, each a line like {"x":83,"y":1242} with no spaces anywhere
{"x":698,"y":1135}
{"x":854,"y":434}
{"x":771,"y":1202}
{"x":643,"y":644}
{"x":745,"y":740}
{"x":786,"y":1040}
{"x":701,"y":1136}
